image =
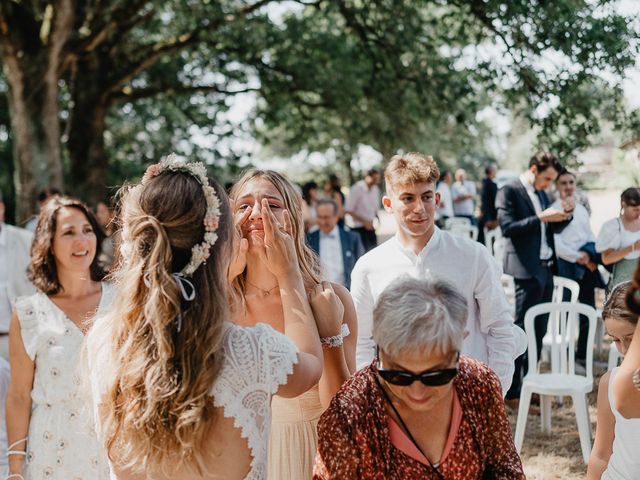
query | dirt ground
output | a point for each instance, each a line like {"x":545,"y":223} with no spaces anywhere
{"x":558,"y":456}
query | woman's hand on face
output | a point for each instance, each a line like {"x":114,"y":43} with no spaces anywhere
{"x":279,"y":251}
{"x":327,"y":309}
{"x":240,"y":246}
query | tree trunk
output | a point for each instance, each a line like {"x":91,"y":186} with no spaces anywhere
{"x":33,"y":149}
{"x":87,"y":124}
{"x":33,"y":57}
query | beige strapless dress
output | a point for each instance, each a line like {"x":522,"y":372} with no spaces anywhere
{"x":294,"y":438}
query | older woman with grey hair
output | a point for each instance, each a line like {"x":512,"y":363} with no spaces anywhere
{"x":420,"y":410}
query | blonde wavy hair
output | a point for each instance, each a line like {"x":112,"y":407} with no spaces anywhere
{"x":157,"y":410}
{"x":307,"y":260}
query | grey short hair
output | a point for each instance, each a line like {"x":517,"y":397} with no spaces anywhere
{"x":425,"y":315}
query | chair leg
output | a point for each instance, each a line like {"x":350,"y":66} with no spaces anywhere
{"x":523,"y":412}
{"x":584,"y":427}
{"x":545,"y":413}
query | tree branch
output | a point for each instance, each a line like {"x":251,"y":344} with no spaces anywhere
{"x":128,"y":94}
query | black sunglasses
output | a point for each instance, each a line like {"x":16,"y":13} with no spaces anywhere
{"x":431,"y":378}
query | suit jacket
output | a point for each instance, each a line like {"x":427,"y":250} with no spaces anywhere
{"x":488,"y":200}
{"x":18,"y":259}
{"x":352,"y":249}
{"x":520,"y":226}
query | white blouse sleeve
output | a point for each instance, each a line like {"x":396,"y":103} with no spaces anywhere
{"x":610,"y":236}
{"x":25,"y":308}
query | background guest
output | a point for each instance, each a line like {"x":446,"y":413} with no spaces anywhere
{"x":576,"y":254}
{"x":47,"y":333}
{"x":15,"y":246}
{"x":43,"y":197}
{"x":615,"y":448}
{"x":463,"y":192}
{"x":488,"y":192}
{"x":332,"y":190}
{"x":362,"y":205}
{"x":338,"y":249}
{"x":445,"y":208}
{"x":310,"y":199}
{"x":419,"y":410}
{"x":528,"y":224}
{"x":619,"y":238}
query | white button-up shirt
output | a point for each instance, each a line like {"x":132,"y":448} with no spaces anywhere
{"x":331,"y":256}
{"x":574,"y":235}
{"x":364,"y":201}
{"x":545,"y":250}
{"x":465,"y":207}
{"x":465,"y":264}
{"x":5,"y":301}
{"x":446,"y":201}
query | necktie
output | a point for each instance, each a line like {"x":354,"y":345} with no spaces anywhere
{"x":543,"y":199}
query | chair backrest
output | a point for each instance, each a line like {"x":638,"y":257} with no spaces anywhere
{"x":562,"y":284}
{"x":564,"y":319}
{"x":469,"y":231}
{"x":494,"y":241}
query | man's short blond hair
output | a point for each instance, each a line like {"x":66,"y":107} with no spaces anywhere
{"x":409,"y":169}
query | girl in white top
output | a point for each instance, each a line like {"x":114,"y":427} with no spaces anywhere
{"x":619,"y":238}
{"x":49,"y":432}
{"x":179,"y":391}
{"x":615,"y":449}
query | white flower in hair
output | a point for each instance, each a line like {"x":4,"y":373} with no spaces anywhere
{"x":200,"y":252}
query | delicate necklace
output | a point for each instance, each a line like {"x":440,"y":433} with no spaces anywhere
{"x":263,"y":292}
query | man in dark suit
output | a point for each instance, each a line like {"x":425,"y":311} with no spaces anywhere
{"x":339,"y":249}
{"x":488,"y":212}
{"x":528,"y":225}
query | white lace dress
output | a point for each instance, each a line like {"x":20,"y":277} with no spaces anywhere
{"x":62,"y":443}
{"x":257,"y":360}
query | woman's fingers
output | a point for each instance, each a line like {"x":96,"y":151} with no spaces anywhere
{"x":287,"y":222}
{"x":268,"y":222}
{"x":244,"y":217}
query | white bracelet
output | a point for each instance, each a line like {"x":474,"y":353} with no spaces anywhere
{"x":14,"y":475}
{"x":331,"y":342}
{"x":11,"y":451}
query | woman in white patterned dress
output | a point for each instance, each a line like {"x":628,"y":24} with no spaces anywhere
{"x":179,"y":392}
{"x":49,"y":433}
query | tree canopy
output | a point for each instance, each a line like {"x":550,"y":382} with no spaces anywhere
{"x":96,"y":90}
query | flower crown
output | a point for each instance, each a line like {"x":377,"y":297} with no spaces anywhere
{"x":201,"y":251}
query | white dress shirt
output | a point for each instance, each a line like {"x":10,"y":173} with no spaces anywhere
{"x":465,"y":264}
{"x":363,"y":201}
{"x":465,"y":207}
{"x":545,"y":249}
{"x":574,"y":235}
{"x":331,"y":256}
{"x":446,"y":201}
{"x":5,"y":301}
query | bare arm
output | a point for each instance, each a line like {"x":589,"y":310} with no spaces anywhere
{"x":603,"y":443}
{"x":625,"y":395}
{"x":613,"y":255}
{"x":339,"y":362}
{"x":18,"y":410}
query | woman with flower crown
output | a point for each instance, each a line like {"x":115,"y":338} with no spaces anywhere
{"x":293,"y":442}
{"x":179,"y":391}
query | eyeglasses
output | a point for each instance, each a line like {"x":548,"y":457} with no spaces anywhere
{"x":431,"y":378}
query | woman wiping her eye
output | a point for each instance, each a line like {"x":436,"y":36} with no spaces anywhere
{"x":419,"y":410}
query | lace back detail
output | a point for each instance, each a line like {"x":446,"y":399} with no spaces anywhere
{"x":257,"y":361}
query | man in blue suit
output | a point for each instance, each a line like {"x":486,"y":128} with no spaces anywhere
{"x":339,"y":249}
{"x":528,"y":224}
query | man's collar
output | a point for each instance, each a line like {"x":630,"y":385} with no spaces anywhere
{"x":431,"y":243}
{"x":332,"y":234}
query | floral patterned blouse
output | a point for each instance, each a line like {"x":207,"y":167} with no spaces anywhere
{"x":354,"y":440}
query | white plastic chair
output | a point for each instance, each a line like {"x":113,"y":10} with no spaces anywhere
{"x":560,"y":284}
{"x":614,"y":357}
{"x":563,"y":317}
{"x":452,"y":222}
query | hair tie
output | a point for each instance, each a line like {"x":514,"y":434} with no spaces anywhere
{"x":184,"y":284}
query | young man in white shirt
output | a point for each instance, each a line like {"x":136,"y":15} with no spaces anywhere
{"x":422,"y":250}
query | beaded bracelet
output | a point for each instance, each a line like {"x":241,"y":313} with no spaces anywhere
{"x":331,"y":342}
{"x":635,"y":378}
